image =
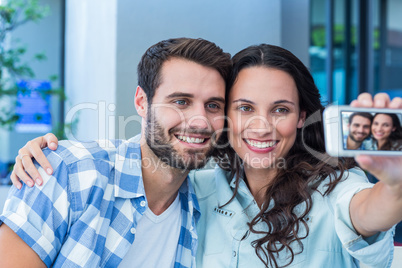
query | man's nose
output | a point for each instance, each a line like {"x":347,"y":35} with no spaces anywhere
{"x":197,"y":118}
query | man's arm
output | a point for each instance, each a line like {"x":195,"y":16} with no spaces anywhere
{"x":14,"y":252}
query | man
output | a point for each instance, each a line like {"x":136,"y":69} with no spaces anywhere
{"x":359,"y":130}
{"x":128,"y":203}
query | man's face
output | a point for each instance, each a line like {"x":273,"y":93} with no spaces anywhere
{"x":186,"y":115}
{"x":359,"y":128}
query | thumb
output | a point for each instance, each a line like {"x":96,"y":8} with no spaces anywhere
{"x":386,"y":169}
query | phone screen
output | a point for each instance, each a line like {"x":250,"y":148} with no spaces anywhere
{"x":371,"y":131}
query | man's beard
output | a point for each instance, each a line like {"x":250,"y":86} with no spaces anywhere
{"x":352,"y":137}
{"x":163,"y":149}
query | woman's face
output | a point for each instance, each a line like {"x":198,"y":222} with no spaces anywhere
{"x":263,"y":116}
{"x":382,"y":127}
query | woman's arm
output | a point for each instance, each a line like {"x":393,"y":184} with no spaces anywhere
{"x":379,"y":208}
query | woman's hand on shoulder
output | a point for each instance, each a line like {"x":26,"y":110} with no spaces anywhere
{"x":24,"y":170}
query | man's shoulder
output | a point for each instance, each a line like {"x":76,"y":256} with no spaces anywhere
{"x":69,"y":151}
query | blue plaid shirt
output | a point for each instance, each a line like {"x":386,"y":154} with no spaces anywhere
{"x":367,"y":144}
{"x":85,"y":214}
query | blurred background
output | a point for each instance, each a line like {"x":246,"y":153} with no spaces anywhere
{"x":69,"y":66}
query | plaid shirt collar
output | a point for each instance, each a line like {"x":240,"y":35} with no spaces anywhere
{"x":128,"y":166}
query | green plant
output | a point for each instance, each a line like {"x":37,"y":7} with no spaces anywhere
{"x":13,"y":14}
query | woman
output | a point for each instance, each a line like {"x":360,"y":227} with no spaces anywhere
{"x":387,"y":132}
{"x":276,"y":198}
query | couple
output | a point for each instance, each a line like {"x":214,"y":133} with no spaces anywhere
{"x":382,"y":131}
{"x":102,"y":207}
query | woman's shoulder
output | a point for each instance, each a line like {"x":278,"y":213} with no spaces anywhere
{"x":204,"y":180}
{"x":350,"y":178}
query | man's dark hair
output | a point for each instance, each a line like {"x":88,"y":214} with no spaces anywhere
{"x":369,"y":116}
{"x":199,"y":51}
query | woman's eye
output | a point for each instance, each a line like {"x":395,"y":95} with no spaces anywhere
{"x":245,"y":108}
{"x":281,"y":110}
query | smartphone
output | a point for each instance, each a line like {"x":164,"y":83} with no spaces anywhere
{"x":350,"y":131}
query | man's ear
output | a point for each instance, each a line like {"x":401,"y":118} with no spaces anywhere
{"x":302,"y":119}
{"x":141,"y":102}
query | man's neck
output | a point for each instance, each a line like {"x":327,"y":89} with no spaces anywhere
{"x":352,"y":145}
{"x":161,"y":182}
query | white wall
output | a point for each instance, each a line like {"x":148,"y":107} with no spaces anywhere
{"x":232,"y":25}
{"x":295,"y":33}
{"x":90,"y":62}
{"x":105,"y":40}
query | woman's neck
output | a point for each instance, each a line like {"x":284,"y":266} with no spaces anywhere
{"x":258,"y":181}
{"x":381,"y":143}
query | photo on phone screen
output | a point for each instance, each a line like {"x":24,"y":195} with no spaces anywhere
{"x":371,"y":131}
{"x":350,"y":131}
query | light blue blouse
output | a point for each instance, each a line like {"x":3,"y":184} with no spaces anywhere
{"x":224,"y":239}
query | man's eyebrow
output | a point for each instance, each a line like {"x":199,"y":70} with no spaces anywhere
{"x":218,"y":99}
{"x":188,"y":95}
{"x":180,"y":94}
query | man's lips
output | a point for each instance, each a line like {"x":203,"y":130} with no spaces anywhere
{"x":192,"y":138}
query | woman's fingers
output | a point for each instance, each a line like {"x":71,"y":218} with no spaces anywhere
{"x":19,"y":174}
{"x":34,"y":148}
{"x":381,"y":100}
{"x":364,"y":100}
{"x":24,"y":166}
{"x":396,"y":103}
{"x":50,"y":141}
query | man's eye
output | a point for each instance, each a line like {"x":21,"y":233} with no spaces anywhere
{"x":180,"y":102}
{"x":213,"y":106}
{"x":245,"y":108}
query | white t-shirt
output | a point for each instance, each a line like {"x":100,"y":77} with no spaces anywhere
{"x":156,"y":239}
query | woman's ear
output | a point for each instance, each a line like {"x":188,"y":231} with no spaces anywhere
{"x":302,"y":119}
{"x":141,"y":102}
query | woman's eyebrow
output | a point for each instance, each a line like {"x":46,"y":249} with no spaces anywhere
{"x":285,"y":101}
{"x":243,"y":100}
{"x":276,"y":102}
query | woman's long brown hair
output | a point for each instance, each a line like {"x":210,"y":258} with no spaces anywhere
{"x":307,"y":164}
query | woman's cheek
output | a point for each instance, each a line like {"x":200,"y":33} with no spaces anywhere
{"x":287,"y":127}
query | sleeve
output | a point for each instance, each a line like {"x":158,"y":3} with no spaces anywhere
{"x":377,"y":250}
{"x":40,"y":215}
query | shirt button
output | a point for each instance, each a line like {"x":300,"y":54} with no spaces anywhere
{"x":142,"y":203}
{"x":132,"y":230}
{"x":234,"y":253}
